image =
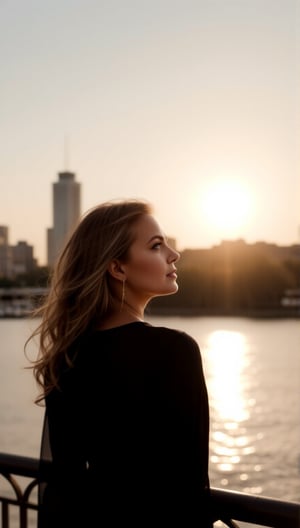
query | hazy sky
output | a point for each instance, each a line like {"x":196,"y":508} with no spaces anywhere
{"x":192,"y":105}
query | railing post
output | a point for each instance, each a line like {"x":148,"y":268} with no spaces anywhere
{"x":23,"y":516}
{"x":5,"y":515}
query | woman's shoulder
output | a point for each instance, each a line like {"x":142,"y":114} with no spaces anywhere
{"x":144,"y":330}
{"x":169,"y":333}
{"x":171,"y":337}
{"x":173,"y":350}
{"x":133,"y":337}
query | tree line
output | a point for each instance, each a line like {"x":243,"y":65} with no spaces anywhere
{"x":231,"y":279}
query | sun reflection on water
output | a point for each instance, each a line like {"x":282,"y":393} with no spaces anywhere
{"x":227,"y":358}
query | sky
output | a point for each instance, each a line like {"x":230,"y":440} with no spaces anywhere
{"x":192,"y":105}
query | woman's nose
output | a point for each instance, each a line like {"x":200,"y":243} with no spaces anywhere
{"x":174,"y":255}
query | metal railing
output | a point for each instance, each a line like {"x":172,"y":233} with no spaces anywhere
{"x":231,"y":506}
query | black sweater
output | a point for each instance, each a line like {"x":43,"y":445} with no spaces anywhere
{"x":128,"y":433}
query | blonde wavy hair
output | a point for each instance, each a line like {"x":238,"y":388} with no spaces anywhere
{"x":80,"y":296}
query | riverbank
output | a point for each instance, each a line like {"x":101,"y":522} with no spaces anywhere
{"x":274,"y":313}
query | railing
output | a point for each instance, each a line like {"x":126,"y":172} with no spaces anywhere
{"x":230,"y":505}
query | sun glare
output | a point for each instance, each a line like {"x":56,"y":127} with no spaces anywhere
{"x":226,"y":206}
{"x":227,"y":356}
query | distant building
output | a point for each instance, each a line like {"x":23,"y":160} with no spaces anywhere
{"x":3,"y":236}
{"x":6,"y":264}
{"x":23,"y":259}
{"x":66,"y":212}
{"x":15,"y":260}
{"x":172,"y":243}
{"x":6,"y":268}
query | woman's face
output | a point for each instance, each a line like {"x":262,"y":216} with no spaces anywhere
{"x":150,"y":266}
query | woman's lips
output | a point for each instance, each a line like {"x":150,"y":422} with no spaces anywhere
{"x":172,"y":275}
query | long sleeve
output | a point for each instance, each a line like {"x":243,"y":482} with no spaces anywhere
{"x":62,"y":499}
{"x":186,"y":426}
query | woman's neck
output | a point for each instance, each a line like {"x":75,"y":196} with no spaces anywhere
{"x":121,"y":317}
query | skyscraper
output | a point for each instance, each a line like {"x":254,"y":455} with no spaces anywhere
{"x":66,"y":212}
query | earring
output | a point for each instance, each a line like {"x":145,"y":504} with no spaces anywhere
{"x":123,"y":295}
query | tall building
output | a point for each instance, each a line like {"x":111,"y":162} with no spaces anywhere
{"x":66,"y":212}
{"x":6,"y":267}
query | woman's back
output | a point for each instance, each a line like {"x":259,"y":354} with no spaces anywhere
{"x":134,"y":410}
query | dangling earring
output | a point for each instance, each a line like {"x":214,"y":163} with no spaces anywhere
{"x":123,"y":295}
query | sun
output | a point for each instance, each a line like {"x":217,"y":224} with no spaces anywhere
{"x":226,"y":206}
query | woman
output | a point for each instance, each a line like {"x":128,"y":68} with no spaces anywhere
{"x":126,"y":419}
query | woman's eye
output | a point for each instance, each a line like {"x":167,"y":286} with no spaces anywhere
{"x":156,"y":246}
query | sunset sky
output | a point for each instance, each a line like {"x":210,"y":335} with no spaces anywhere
{"x":192,"y":105}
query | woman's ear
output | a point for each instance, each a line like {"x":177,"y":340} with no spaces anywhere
{"x":115,"y":270}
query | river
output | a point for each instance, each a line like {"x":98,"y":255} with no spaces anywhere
{"x":252,"y":369}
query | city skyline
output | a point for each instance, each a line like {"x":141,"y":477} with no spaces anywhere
{"x":239,"y":240}
{"x":193,"y":106}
